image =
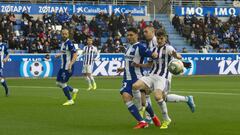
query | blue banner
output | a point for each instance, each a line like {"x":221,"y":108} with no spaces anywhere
{"x":201,"y":11}
{"x":36,"y":8}
{"x":78,"y":8}
{"x":91,"y":9}
{"x":36,"y":66}
{"x":135,"y":10}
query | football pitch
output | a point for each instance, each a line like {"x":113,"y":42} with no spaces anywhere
{"x":35,"y":108}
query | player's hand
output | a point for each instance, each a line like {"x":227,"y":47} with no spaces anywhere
{"x":5,"y":60}
{"x":57,"y":55}
{"x":70,"y":68}
{"x":120,"y":70}
{"x":135,"y":64}
{"x":187,"y":64}
{"x":154,"y":55}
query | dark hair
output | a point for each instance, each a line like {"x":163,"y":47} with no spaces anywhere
{"x":161,"y":33}
{"x":89,"y":37}
{"x":133,"y":29}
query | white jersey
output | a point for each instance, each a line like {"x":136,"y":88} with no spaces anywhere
{"x":67,"y":50}
{"x":160,"y":64}
{"x":90,"y":53}
{"x":152,"y":43}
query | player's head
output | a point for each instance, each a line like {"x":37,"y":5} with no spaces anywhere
{"x":89,"y":40}
{"x":132,"y":35}
{"x":161,"y":37}
{"x":65,"y":34}
{"x":149,"y":32}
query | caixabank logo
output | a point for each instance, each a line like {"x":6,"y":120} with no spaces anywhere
{"x":36,"y":69}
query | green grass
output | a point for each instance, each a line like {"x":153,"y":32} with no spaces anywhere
{"x":34,"y":108}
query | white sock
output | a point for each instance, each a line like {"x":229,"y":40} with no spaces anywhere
{"x":137,"y":99}
{"x":89,"y":81}
{"x":148,"y":100}
{"x":163,"y":106}
{"x":176,"y":98}
{"x":92,"y":79}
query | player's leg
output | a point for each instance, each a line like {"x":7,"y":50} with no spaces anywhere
{"x":179,"y":98}
{"x":85,"y":72}
{"x":94,"y":85}
{"x":159,"y":86}
{"x":126,"y":92}
{"x":4,"y":84}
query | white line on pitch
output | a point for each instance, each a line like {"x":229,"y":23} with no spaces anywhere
{"x":173,"y":91}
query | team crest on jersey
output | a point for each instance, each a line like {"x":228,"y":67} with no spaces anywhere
{"x":36,"y":69}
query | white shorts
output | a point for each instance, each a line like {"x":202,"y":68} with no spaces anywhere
{"x":154,"y":82}
{"x":167,"y":88}
{"x":87,"y":69}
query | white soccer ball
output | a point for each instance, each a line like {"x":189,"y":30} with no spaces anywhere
{"x":176,"y":67}
{"x":36,"y":68}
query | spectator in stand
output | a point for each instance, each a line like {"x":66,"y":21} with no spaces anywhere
{"x":232,"y":43}
{"x":25,"y":15}
{"x":119,"y":48}
{"x":214,"y":42}
{"x":184,"y":50}
{"x":130,"y":20}
{"x":187,"y":20}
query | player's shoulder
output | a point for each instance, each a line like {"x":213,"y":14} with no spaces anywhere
{"x":141,"y":44}
{"x":168,"y":46}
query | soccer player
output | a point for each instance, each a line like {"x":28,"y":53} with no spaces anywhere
{"x":159,"y":75}
{"x":4,"y":56}
{"x":135,"y":53}
{"x":68,"y":57}
{"x":90,"y":54}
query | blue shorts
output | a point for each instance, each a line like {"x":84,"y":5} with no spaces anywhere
{"x":127,"y":87}
{"x":64,"y":75}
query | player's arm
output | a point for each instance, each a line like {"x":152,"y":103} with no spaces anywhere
{"x":97,"y":55}
{"x":120,"y":70}
{"x":7,"y":55}
{"x":145,"y":65}
{"x":179,"y":56}
{"x":74,"y":58}
{"x":147,"y":53}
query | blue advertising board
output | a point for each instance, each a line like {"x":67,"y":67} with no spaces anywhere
{"x":32,"y":65}
{"x":36,"y":8}
{"x":201,"y":11}
{"x":78,"y":8}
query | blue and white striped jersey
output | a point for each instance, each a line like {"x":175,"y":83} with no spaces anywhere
{"x":90,"y":53}
{"x":160,"y":64}
{"x":67,"y":50}
{"x":135,"y":53}
{"x":152,"y":43}
{"x":3,"y":53}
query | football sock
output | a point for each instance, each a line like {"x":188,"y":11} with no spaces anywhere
{"x":4,"y":84}
{"x":148,"y":100}
{"x":70,"y":88}
{"x":163,"y":106}
{"x":134,"y":111}
{"x":89,"y":81}
{"x":150,"y":110}
{"x":176,"y":98}
{"x":66,"y":92}
{"x":137,"y":98}
{"x":92,"y":79}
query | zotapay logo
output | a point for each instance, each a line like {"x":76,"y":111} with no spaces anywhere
{"x":229,"y":67}
{"x":36,"y":69}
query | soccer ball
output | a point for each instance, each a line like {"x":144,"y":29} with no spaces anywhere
{"x":176,"y":67}
{"x":36,"y":68}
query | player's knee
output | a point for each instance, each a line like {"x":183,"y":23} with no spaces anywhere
{"x":158,"y":96}
{"x":2,"y":80}
{"x":135,"y":86}
{"x":126,"y":97}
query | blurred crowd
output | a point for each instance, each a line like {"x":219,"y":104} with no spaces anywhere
{"x":210,"y":34}
{"x":43,"y":35}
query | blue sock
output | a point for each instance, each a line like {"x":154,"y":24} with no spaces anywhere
{"x":150,"y":110}
{"x":70,"y":88}
{"x":4,"y":84}
{"x":66,"y":92}
{"x":134,"y":111}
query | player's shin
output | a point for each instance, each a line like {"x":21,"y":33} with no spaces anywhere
{"x":4,"y":84}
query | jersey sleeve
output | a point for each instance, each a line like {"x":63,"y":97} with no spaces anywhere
{"x":5,"y":50}
{"x":144,"y":52}
{"x":170,"y":50}
{"x":71,"y":47}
